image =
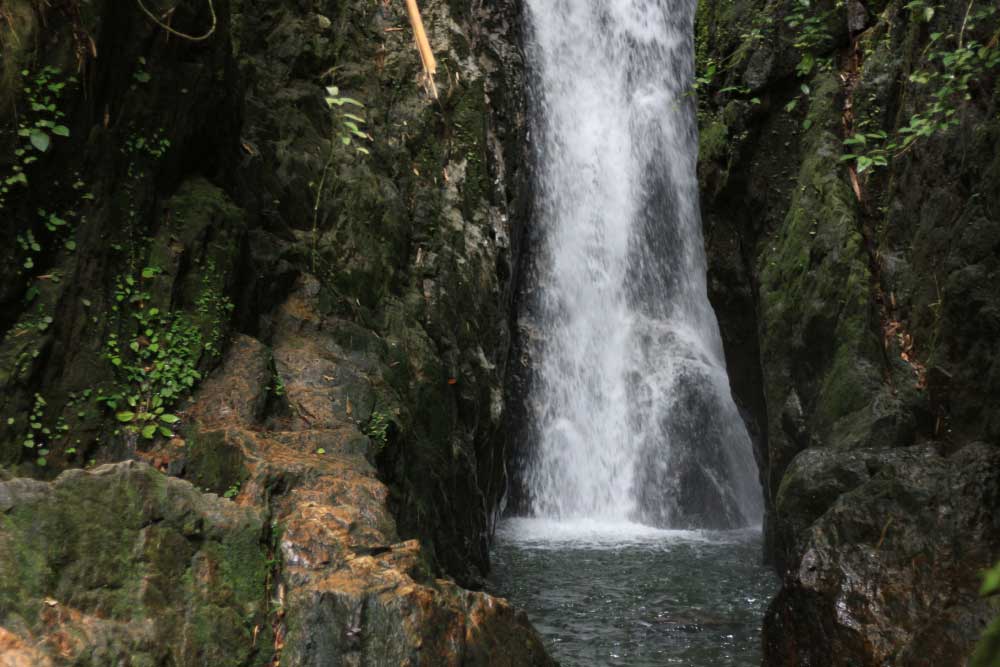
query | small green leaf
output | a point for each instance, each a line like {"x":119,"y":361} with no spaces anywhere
{"x":991,"y":581}
{"x":149,"y":431}
{"x":321,"y":451}
{"x":40,"y":140}
{"x":125,"y":416}
{"x":60,"y":130}
{"x":169,"y":419}
{"x":150,"y":272}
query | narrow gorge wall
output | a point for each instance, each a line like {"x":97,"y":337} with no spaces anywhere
{"x":200,"y":274}
{"x":857,"y":309}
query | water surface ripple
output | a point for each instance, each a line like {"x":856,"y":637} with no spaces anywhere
{"x":624,"y":594}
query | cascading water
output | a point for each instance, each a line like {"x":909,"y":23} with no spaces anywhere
{"x":632,"y":411}
{"x":634,"y":434}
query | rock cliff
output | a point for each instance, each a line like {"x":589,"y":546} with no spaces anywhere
{"x":296,"y":306}
{"x":848,"y":166}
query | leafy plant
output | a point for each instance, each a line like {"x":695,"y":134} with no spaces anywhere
{"x":156,"y":146}
{"x":950,"y":72}
{"x":812,"y":36}
{"x":922,"y":8}
{"x":40,"y":123}
{"x":347,"y":130}
{"x":57,"y":225}
{"x":156,"y":364}
{"x":278,"y":386}
{"x":377,"y":428}
{"x":140,"y":75}
{"x":350,"y":123}
{"x":39,"y":436}
{"x":866,"y":157}
{"x":212,"y":307}
{"x":705,"y":79}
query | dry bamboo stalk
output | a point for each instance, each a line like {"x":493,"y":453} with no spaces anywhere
{"x":423,"y":46}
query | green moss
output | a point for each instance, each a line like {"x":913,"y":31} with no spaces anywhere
{"x":844,"y":388}
{"x":714,"y":142}
{"x":468,"y":122}
{"x":203,"y":231}
{"x":25,"y":573}
{"x":115,"y":544}
{"x":815,"y":282}
{"x":243,"y":569}
{"x":213,"y":462}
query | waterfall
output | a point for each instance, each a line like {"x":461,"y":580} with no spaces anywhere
{"x":631,"y":410}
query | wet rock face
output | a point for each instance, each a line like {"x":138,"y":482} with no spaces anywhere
{"x":879,"y":577}
{"x":858,"y":325}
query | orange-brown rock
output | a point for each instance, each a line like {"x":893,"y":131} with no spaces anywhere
{"x":351,"y":592}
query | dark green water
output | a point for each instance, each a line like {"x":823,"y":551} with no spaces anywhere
{"x":631,"y":595}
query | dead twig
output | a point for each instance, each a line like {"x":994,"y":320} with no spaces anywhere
{"x":423,"y":46}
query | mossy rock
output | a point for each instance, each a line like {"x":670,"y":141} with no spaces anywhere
{"x":139,"y":564}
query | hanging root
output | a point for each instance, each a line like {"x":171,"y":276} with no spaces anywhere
{"x":190,"y":38}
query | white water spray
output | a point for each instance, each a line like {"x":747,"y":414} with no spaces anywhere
{"x":631,"y":404}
